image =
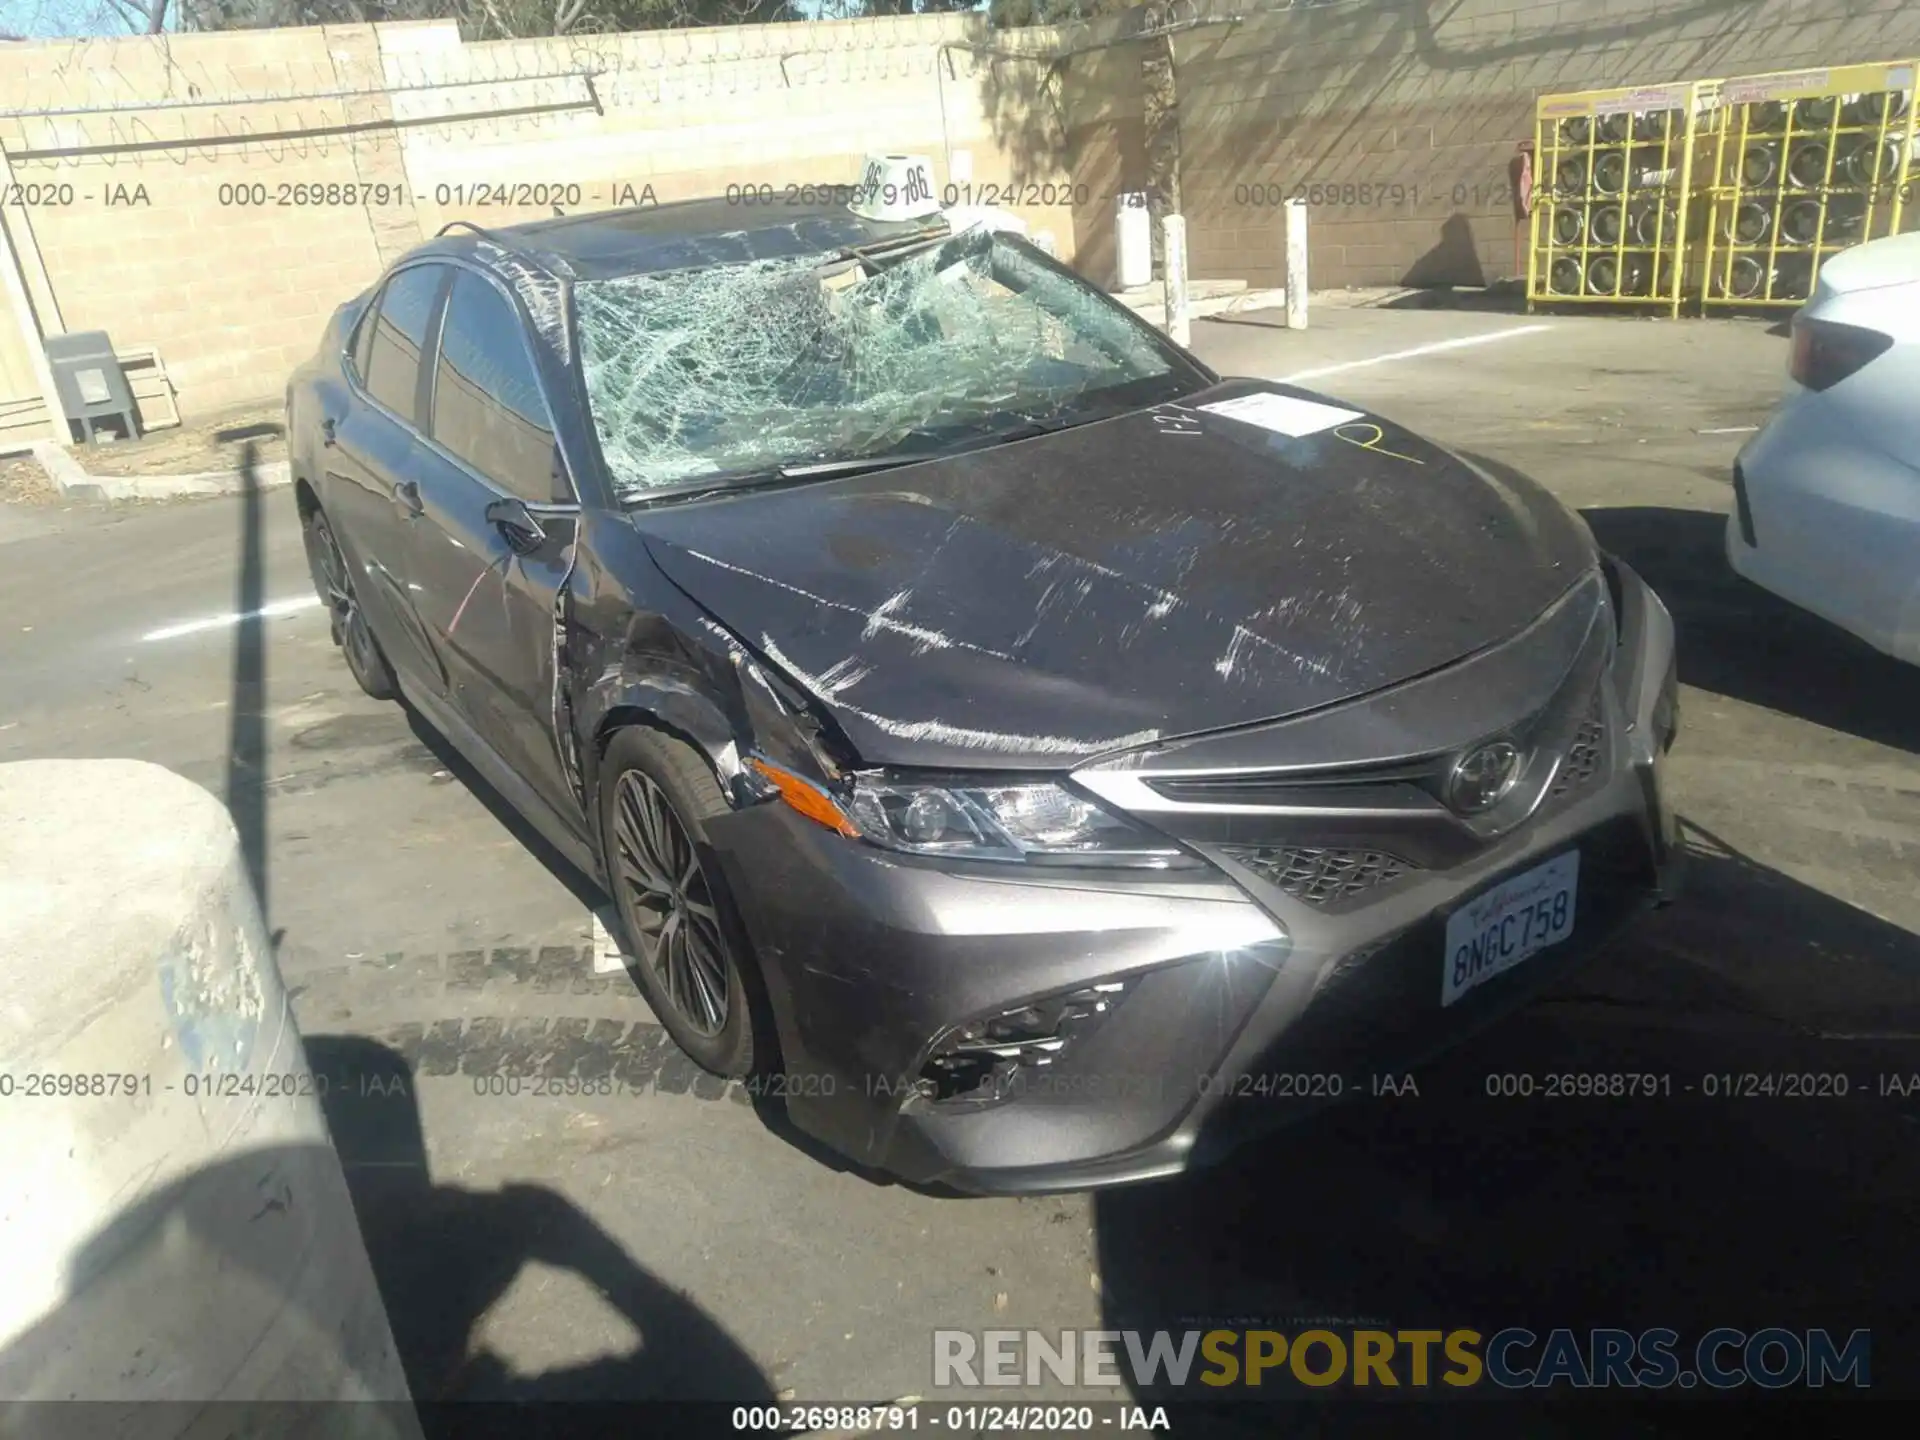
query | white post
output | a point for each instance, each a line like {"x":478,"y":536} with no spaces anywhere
{"x":1296,"y":226}
{"x":1173,"y":277}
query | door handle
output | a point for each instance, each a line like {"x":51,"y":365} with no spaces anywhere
{"x":327,"y":424}
{"x":406,"y":495}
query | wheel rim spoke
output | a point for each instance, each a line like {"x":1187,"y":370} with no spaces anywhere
{"x":670,"y":908}
{"x":708,"y":972}
{"x":333,"y":566}
{"x":632,"y":827}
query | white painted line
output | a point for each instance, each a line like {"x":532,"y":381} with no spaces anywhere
{"x":220,"y":622}
{"x":1415,"y":353}
{"x":1730,"y":430}
{"x":607,"y":959}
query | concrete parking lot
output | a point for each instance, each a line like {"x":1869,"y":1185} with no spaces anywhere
{"x":670,"y":1239}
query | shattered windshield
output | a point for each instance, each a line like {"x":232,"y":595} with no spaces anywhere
{"x":744,"y":368}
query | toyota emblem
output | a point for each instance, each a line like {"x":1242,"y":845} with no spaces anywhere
{"x":1482,"y":777}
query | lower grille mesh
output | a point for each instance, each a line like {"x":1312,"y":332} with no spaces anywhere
{"x":1584,"y":756}
{"x":1319,"y":876}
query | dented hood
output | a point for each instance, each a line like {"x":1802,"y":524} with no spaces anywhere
{"x":1169,"y":572}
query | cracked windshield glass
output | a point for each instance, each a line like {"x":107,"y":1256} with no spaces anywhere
{"x":745,"y":368}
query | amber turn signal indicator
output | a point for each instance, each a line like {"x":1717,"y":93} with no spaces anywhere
{"x":804,"y":796}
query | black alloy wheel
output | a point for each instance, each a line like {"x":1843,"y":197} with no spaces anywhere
{"x":351,"y":632}
{"x":682,"y":933}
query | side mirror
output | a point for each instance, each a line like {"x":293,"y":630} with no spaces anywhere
{"x":517,"y":525}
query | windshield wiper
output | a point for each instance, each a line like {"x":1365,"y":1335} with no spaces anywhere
{"x":800,"y":472}
{"x":775,"y":476}
{"x":853,"y":465}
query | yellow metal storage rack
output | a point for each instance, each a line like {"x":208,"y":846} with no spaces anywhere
{"x":1611,"y":185}
{"x":1795,"y":167}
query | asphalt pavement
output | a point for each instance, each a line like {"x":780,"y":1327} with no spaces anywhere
{"x":657,"y":1234}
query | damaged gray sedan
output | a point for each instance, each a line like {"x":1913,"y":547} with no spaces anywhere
{"x":1050,"y":761}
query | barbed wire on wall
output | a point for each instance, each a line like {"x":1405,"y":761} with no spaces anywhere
{"x":118,"y":103}
{"x":133,"y":101}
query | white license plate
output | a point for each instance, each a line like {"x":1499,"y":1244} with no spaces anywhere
{"x":1515,"y":920}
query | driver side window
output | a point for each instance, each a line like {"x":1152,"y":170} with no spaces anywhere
{"x":488,"y":407}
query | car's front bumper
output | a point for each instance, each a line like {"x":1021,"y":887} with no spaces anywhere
{"x":1234,"y":1013}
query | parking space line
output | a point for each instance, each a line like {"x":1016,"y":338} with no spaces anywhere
{"x":220,"y":622}
{"x":1459,"y":343}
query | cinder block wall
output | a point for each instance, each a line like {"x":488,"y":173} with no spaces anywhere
{"x":243,"y":226}
{"x":1424,"y":103}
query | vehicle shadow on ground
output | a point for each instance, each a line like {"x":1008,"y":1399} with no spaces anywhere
{"x":537,"y":845}
{"x":444,"y":1255}
{"x":1459,"y":1208}
{"x":1738,"y":640}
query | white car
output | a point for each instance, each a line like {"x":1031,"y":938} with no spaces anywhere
{"x":1826,"y":498}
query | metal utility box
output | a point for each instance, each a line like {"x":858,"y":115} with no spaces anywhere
{"x":91,"y":385}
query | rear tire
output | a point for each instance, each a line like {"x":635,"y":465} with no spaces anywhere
{"x":333,"y":582}
{"x":682,"y":930}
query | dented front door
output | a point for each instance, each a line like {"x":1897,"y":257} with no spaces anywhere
{"x":487,"y":601}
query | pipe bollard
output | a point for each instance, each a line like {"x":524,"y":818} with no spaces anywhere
{"x":177,"y":1223}
{"x":1173,"y":231}
{"x":1296,"y":228}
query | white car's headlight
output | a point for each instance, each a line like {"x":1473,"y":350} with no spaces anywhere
{"x":1023,"y":821}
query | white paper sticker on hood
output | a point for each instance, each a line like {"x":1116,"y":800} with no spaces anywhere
{"x":1284,"y":414}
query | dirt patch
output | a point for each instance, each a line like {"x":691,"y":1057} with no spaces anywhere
{"x":23,"y":482}
{"x":216,"y":442}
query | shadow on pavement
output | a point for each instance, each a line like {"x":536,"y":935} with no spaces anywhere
{"x":443,"y":1256}
{"x":1684,"y":1206}
{"x":245,"y":793}
{"x":1738,"y":640}
{"x":537,"y":845}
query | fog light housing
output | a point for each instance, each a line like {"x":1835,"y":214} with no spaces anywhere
{"x":987,"y":1058}
{"x":1666,"y":712}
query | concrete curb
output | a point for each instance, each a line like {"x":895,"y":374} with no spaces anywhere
{"x":1154,"y":312}
{"x":77,"y":483}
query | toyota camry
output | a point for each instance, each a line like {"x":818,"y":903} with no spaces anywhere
{"x":1054,"y":761}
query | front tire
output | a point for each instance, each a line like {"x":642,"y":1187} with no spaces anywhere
{"x":351,"y":632}
{"x":681,"y":928}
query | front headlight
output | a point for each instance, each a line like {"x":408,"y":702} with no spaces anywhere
{"x":1023,"y":821}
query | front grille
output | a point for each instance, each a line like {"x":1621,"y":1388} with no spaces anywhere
{"x":1319,"y":876}
{"x":1584,"y":757}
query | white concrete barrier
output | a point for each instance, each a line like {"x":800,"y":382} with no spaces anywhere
{"x":173,"y":1216}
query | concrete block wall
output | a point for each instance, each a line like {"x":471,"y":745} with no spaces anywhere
{"x":1405,"y":115}
{"x":158,"y":242}
{"x":235,"y":293}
